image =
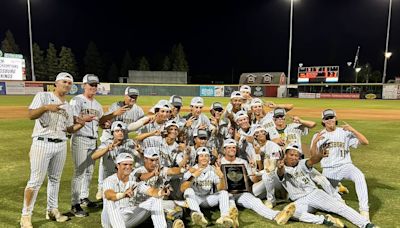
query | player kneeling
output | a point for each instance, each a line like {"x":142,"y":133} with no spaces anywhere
{"x":295,"y":177}
{"x":198,"y":190}
{"x":121,"y":208}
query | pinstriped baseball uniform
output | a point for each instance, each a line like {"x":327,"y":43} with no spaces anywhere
{"x":268,"y":123}
{"x":308,"y":197}
{"x":245,"y":149}
{"x":338,"y":164}
{"x":49,"y":149}
{"x":192,"y":157}
{"x":201,"y":120}
{"x":152,"y":141}
{"x":292,"y":133}
{"x":128,"y":212}
{"x":201,"y":192}
{"x":83,"y":143}
{"x":180,"y":121}
{"x":169,"y":154}
{"x":248,"y":200}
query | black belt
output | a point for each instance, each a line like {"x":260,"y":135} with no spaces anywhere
{"x":50,"y":140}
{"x":89,"y":137}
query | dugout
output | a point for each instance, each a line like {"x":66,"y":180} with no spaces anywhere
{"x":340,"y":90}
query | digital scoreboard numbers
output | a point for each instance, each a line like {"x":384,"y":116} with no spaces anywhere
{"x":318,"y":74}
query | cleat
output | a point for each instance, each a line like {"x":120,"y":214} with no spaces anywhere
{"x":87,"y":203}
{"x":77,"y":211}
{"x":181,"y":203}
{"x":26,"y":221}
{"x":342,"y":189}
{"x":335,"y":221}
{"x":175,"y":213}
{"x":178,"y":223}
{"x":285,"y":214}
{"x":55,"y":215}
{"x":234,"y":214}
{"x":198,"y":219}
{"x":365,"y":214}
{"x":225,"y":222}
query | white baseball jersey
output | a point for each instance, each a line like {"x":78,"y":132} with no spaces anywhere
{"x":268,"y":123}
{"x":270,"y":150}
{"x":192,"y":156}
{"x":180,"y":121}
{"x":292,"y":133}
{"x":340,"y":142}
{"x":154,"y":182}
{"x":168,"y":154}
{"x":83,"y":106}
{"x":203,"y":184}
{"x":127,"y":146}
{"x":152,"y":141}
{"x":245,"y":149}
{"x":297,"y":180}
{"x":51,"y":124}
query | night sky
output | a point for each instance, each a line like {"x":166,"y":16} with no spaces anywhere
{"x":221,"y":38}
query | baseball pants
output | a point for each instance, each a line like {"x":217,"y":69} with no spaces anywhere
{"x":220,"y":198}
{"x":130,"y":217}
{"x":82,"y":148}
{"x":322,"y":181}
{"x":320,"y":200}
{"x":350,"y":172}
{"x":45,"y":157}
{"x":249,"y":201}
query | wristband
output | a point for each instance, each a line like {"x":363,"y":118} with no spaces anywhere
{"x":120,"y":195}
{"x":258,"y":157}
{"x":182,"y":170}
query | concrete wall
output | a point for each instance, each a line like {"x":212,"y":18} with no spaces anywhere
{"x":158,"y":77}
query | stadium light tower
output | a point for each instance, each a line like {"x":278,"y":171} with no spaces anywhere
{"x":290,"y":46}
{"x":358,"y":69}
{"x":30,"y":39}
{"x":387,"y":55}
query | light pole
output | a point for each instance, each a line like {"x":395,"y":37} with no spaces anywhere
{"x":30,"y":40}
{"x":290,"y":46}
{"x":358,"y":69}
{"x":387,"y":43}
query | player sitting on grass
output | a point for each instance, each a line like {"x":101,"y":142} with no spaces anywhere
{"x":295,"y":177}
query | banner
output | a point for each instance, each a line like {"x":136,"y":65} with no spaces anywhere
{"x":307,"y":95}
{"x":257,"y":91}
{"x":219,"y":91}
{"x":2,"y":88}
{"x":206,"y":91}
{"x":103,"y":89}
{"x":13,"y":88}
{"x":12,"y":69}
{"x":229,"y":89}
{"x":33,"y":88}
{"x":340,"y":95}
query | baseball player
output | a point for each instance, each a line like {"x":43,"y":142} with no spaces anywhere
{"x":83,"y":143}
{"x":121,"y":208}
{"x":133,"y":114}
{"x":222,"y":128}
{"x":189,"y":155}
{"x":234,"y":106}
{"x":176,"y":102}
{"x":198,"y":190}
{"x":245,"y":90}
{"x":169,"y":148}
{"x":295,"y":176}
{"x":338,"y":164}
{"x":242,"y":136}
{"x":110,"y":149}
{"x":247,"y":199}
{"x":259,"y":116}
{"x":157,"y":176}
{"x":53,"y":118}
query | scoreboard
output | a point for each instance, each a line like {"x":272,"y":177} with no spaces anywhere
{"x":318,"y":74}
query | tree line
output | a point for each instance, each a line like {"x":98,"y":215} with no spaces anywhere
{"x":48,"y":62}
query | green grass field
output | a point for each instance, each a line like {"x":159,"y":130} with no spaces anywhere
{"x":379,"y":161}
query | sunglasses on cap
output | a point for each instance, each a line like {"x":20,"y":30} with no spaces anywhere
{"x":133,"y":96}
{"x":218,"y":109}
{"x":203,"y":138}
{"x":280,"y":117}
{"x":93,"y":85}
{"x":329,"y":117}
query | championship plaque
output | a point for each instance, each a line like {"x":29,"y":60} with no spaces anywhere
{"x":236,"y":180}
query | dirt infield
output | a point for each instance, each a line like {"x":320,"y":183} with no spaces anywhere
{"x":21,"y":112}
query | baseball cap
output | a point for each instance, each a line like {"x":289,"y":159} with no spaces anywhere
{"x":176,"y":100}
{"x":229,"y":142}
{"x":240,"y":114}
{"x":293,"y":146}
{"x":200,"y":133}
{"x":279,"y":112}
{"x":118,"y":125}
{"x":171,"y":123}
{"x":151,"y":152}
{"x":90,"y":78}
{"x":236,"y":94}
{"x":123,"y":157}
{"x":328,"y":113}
{"x":130,"y":91}
{"x":256,"y":101}
{"x":163,"y":104}
{"x":245,"y":88}
{"x":217,"y":106}
{"x":197,"y":101}
{"x":202,"y":150}
{"x":64,"y":76}
{"x":256,"y":128}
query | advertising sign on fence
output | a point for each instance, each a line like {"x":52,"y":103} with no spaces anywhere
{"x":2,"y":88}
{"x":12,"y":69}
{"x":219,"y":91}
{"x":33,"y":88}
{"x":206,"y":91}
{"x":14,"y":88}
{"x":340,"y":95}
